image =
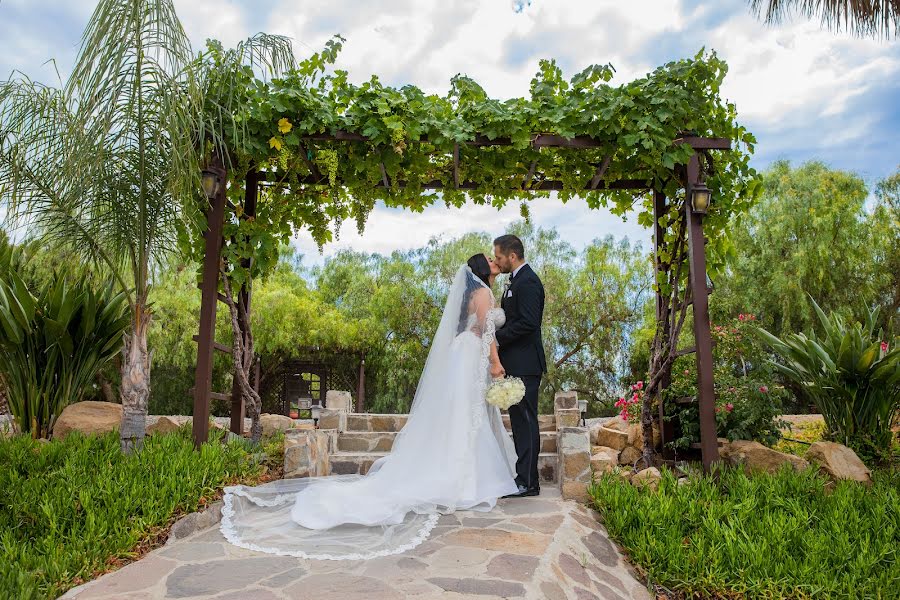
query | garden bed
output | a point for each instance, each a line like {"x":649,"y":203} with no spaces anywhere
{"x":789,"y":535}
{"x":74,"y":509}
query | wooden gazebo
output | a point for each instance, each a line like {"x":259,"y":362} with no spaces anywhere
{"x":690,"y":176}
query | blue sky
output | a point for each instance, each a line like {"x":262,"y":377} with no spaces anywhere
{"x":804,"y":92}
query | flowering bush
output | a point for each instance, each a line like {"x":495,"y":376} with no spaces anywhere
{"x":630,"y":407}
{"x":747,"y":402}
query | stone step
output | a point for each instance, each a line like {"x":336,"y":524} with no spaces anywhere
{"x":358,"y":463}
{"x":383,"y":441}
{"x":394,"y":423}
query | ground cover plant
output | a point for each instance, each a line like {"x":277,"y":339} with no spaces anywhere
{"x":787,"y":535}
{"x":73,"y":509}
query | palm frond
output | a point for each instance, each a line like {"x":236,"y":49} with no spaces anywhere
{"x":867,"y":18}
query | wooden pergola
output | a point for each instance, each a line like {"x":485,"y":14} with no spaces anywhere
{"x":689,"y":176}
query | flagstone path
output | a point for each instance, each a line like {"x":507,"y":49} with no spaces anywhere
{"x":541,"y":548}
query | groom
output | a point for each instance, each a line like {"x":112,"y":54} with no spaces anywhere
{"x":521,"y":352}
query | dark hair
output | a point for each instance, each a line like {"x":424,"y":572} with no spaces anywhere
{"x":481,"y":268}
{"x":509,"y":243}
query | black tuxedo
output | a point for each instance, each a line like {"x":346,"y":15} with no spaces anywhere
{"x":521,"y":351}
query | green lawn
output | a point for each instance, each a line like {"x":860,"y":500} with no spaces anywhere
{"x":72,"y":509}
{"x":766,"y":536}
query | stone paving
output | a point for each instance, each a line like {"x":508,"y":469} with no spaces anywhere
{"x":541,"y":548}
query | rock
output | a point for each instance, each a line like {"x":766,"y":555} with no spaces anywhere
{"x":163,"y":425}
{"x":565,"y":401}
{"x":753,"y":456}
{"x":629,"y":455}
{"x":838,"y":462}
{"x":611,"y":438}
{"x":88,"y":417}
{"x":338,"y":400}
{"x":272,"y":424}
{"x":649,"y":477}
{"x":604,"y":459}
{"x":575,"y":490}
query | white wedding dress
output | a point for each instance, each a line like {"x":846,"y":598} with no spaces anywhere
{"x":453,"y":454}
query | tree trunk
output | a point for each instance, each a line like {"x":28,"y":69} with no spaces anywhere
{"x":135,"y":389}
{"x":242,"y":355}
{"x":106,"y":388}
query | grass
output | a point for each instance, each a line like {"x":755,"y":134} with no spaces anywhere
{"x":806,"y":431}
{"x":71,"y":510}
{"x":766,"y":536}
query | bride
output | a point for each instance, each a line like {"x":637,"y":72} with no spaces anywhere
{"x":453,"y":454}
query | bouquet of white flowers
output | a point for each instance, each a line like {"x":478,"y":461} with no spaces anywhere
{"x":505,"y":392}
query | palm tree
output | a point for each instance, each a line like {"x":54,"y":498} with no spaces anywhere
{"x":108,"y":164}
{"x":876,"y":18}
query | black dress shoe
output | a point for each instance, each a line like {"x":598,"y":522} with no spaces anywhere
{"x":524,"y":492}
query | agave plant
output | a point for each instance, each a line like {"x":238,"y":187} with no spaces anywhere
{"x":851,"y":373}
{"x":53,"y":344}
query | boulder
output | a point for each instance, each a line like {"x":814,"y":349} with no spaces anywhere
{"x":604,"y":460}
{"x":272,"y":424}
{"x":611,"y":438}
{"x":753,"y":456}
{"x":88,"y":417}
{"x":163,"y":425}
{"x":838,"y":462}
{"x":629,"y":455}
{"x":649,"y":477}
{"x":338,"y":400}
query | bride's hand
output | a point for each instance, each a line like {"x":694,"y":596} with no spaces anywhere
{"x":497,"y":370}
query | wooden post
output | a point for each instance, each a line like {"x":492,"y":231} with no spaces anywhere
{"x":361,"y":387}
{"x":702,"y":339}
{"x":209,"y":297}
{"x":666,"y":430}
{"x":238,"y":410}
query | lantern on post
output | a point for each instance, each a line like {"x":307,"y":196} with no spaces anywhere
{"x":211,"y":181}
{"x":700,"y":198}
{"x":316,"y":412}
{"x":582,"y":407}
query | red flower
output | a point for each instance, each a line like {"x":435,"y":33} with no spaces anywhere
{"x":884,"y":347}
{"x":729,"y":407}
{"x":741,"y":317}
{"x":635,"y":397}
{"x":640,"y":385}
{"x":620,"y":403}
{"x":764,"y":389}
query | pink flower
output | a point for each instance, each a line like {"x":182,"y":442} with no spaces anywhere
{"x":620,"y":403}
{"x":741,"y":317}
{"x":624,"y":415}
{"x":732,"y":389}
{"x":729,"y":407}
{"x":884,"y":347}
{"x":686,"y":372}
{"x":764,"y":389}
{"x":718,"y":409}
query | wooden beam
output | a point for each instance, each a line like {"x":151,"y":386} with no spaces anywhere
{"x":702,"y":336}
{"x":216,"y":345}
{"x":216,"y":396}
{"x":456,"y":166}
{"x":384,"y":176}
{"x":209,"y":290}
{"x":313,"y":169}
{"x":538,"y":141}
{"x":437,"y":184}
{"x":703,"y":143}
{"x":601,"y":171}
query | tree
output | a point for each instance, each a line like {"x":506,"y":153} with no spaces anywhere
{"x":875,"y":18}
{"x":884,"y":222}
{"x":808,"y":234}
{"x":107,"y":165}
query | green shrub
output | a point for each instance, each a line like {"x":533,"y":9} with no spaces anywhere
{"x":52,"y":345}
{"x":70,"y":508}
{"x":766,"y":536}
{"x":851,"y":374}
